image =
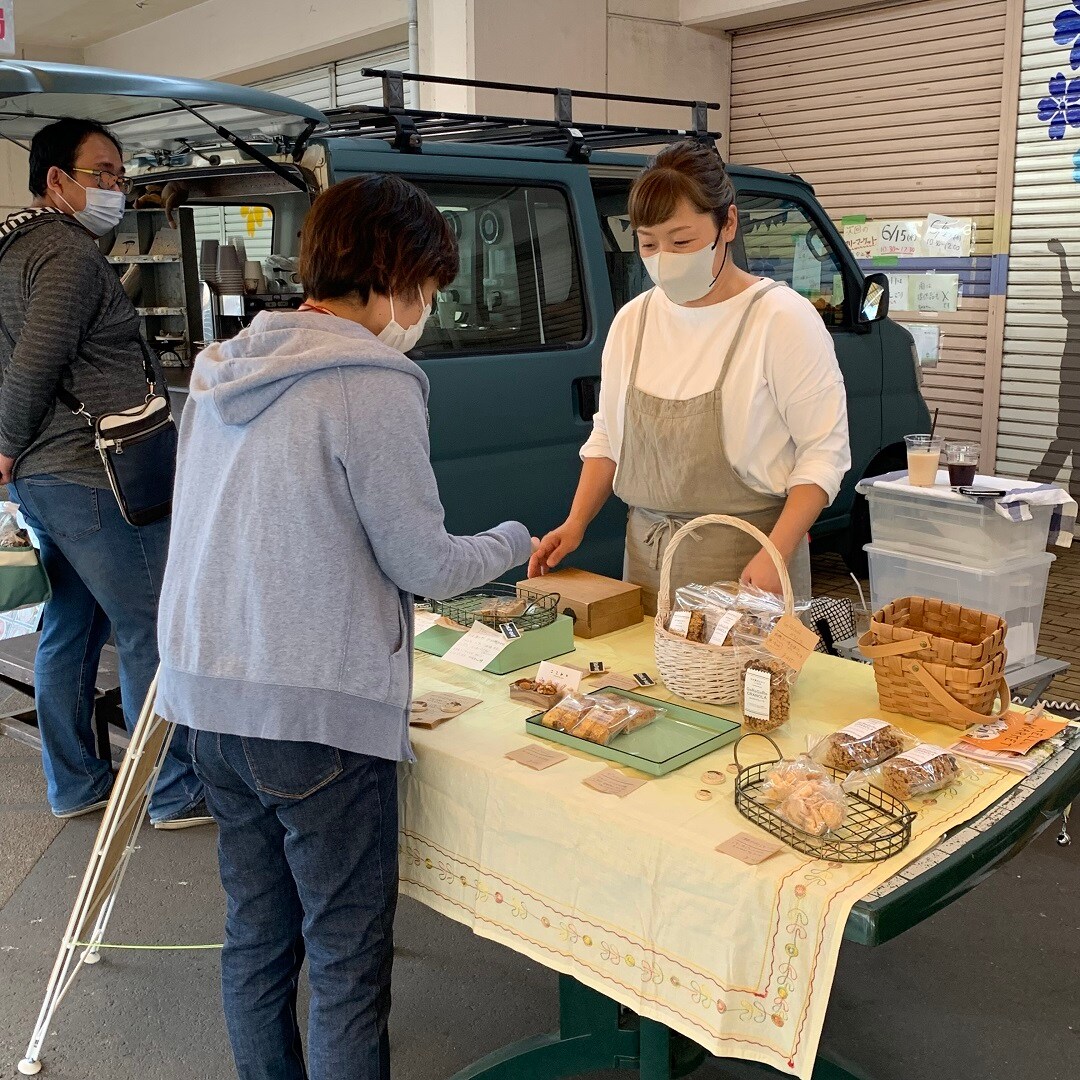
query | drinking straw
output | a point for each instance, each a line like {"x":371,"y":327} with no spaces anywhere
{"x":933,"y":423}
{"x":862,"y":597}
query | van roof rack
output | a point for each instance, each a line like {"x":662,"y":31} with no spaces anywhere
{"x":407,"y":128}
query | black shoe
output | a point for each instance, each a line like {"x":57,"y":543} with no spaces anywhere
{"x":194,"y":815}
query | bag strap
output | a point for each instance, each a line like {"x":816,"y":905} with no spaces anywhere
{"x":957,"y":712}
{"x":68,"y":400}
{"x":890,"y":648}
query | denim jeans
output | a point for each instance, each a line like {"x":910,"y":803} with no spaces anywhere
{"x":106,"y":577}
{"x":307,"y":845}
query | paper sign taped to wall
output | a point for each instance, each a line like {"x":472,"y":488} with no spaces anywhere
{"x":927,"y":342}
{"x":936,"y":292}
{"x":947,"y":237}
{"x":899,"y":238}
{"x":899,"y":292}
{"x":862,"y":238}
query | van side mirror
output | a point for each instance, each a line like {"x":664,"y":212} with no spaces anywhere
{"x":874,"y":304}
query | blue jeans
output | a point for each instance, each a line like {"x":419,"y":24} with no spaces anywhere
{"x":308,"y":848}
{"x":106,"y":578}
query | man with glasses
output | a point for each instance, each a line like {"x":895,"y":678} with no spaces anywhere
{"x":67,"y":322}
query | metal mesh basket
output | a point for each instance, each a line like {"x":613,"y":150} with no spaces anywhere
{"x":877,"y":825}
{"x":497,"y":604}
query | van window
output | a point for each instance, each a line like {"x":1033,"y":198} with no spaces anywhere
{"x":626,"y":271}
{"x":781,"y":240}
{"x":519,"y":285}
{"x":253,"y":224}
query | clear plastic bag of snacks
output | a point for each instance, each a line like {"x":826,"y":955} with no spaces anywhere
{"x":806,"y":796}
{"x":638,"y":713}
{"x":568,"y":712}
{"x":918,"y":771}
{"x":862,"y":745}
{"x":765,"y":685}
{"x":716,"y":611}
{"x":606,"y":719}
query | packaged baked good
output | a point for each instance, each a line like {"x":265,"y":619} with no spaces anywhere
{"x":806,"y":796}
{"x":567,"y":713}
{"x":503,"y":609}
{"x":765,"y":684}
{"x":603,"y":721}
{"x":727,"y":607}
{"x":638,"y":713}
{"x":918,"y":771}
{"x":862,"y":745}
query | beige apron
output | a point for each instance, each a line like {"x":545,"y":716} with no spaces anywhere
{"x":672,"y":468}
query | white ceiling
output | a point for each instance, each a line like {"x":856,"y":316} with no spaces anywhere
{"x":74,"y":24}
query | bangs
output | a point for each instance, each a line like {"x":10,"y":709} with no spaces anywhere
{"x":656,"y":195}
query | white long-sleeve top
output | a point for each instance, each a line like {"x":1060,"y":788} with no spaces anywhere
{"x":784,"y":404}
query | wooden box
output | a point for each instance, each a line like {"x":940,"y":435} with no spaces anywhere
{"x":600,"y":605}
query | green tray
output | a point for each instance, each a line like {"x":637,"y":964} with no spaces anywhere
{"x":674,"y":739}
{"x":544,"y":643}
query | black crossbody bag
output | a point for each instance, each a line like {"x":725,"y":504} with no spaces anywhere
{"x":137,"y":445}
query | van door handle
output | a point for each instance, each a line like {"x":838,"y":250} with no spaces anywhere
{"x":587,"y":396}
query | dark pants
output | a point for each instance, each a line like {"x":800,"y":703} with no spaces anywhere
{"x":106,"y":576}
{"x":307,"y":846}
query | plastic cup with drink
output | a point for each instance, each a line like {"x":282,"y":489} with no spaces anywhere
{"x":962,"y":458}
{"x":923,"y":457}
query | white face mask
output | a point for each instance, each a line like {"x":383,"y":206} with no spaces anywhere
{"x":685,"y":275}
{"x":104,"y":209}
{"x":403,"y":338}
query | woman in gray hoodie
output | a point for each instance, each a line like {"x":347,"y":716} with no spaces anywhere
{"x":306,"y":515}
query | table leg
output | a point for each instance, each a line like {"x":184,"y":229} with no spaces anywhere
{"x":1036,"y":691}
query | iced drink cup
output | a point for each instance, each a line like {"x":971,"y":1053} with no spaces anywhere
{"x":923,"y":457}
{"x":962,"y":459}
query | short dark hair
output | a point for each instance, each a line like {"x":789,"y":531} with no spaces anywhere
{"x":58,"y":144}
{"x":374,"y":233}
{"x":685,"y":170}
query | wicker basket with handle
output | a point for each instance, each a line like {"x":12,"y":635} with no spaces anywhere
{"x":938,"y":662}
{"x":691,"y":669}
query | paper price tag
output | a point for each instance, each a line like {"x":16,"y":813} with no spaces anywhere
{"x":750,"y":849}
{"x":921,"y":754}
{"x":643,"y":678}
{"x":679,"y":623}
{"x":536,"y":757}
{"x":791,"y":642}
{"x":563,"y":676}
{"x":723,"y":627}
{"x":477,"y":648}
{"x":757,"y":688}
{"x":424,"y":620}
{"x":433,"y":709}
{"x":863,"y":729}
{"x":613,"y":782}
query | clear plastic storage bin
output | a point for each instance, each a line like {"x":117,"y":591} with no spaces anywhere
{"x":967,"y":532}
{"x":1015,"y":590}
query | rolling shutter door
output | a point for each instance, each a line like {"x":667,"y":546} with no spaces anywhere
{"x":221,"y":223}
{"x":356,"y":89}
{"x":312,"y":87}
{"x":892,"y":112}
{"x":1039,"y":419}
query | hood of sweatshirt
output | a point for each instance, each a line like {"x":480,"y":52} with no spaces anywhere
{"x":246,"y":374}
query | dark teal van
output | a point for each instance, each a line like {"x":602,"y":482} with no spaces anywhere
{"x":547,"y":256}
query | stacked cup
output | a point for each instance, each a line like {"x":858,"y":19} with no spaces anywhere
{"x":230,"y":271}
{"x":208,"y":256}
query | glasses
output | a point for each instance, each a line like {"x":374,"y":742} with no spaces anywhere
{"x":106,"y":179}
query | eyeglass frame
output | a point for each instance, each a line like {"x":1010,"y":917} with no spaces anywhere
{"x":120,"y":183}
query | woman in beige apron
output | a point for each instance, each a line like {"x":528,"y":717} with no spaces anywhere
{"x":673,"y":462}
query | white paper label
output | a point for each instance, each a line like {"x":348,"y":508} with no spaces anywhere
{"x":723,"y":627}
{"x":477,"y":648}
{"x":565,"y":678}
{"x":921,"y":754}
{"x":757,"y":689}
{"x":863,"y":729}
{"x":424,"y":620}
{"x":937,"y":292}
{"x":679,"y":623}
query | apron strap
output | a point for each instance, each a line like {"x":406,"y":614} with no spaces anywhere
{"x":740,"y":330}
{"x":640,"y":338}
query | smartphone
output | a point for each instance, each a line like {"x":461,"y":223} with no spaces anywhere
{"x":982,"y":492}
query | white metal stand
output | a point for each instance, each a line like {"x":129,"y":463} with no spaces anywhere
{"x":109,"y":859}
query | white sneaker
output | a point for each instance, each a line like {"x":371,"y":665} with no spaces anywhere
{"x":68,"y":815}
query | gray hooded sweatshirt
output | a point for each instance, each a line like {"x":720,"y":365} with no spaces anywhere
{"x":306,"y":515}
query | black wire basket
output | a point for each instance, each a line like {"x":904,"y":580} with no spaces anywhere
{"x":497,"y":604}
{"x":877,"y":825}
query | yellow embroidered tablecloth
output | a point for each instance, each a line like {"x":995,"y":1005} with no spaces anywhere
{"x":628,"y":895}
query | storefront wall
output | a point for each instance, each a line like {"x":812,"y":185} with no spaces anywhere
{"x":1039,"y":425}
{"x":898,"y":112}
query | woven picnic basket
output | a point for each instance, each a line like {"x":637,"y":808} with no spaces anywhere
{"x":938,"y":662}
{"x":691,"y":669}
